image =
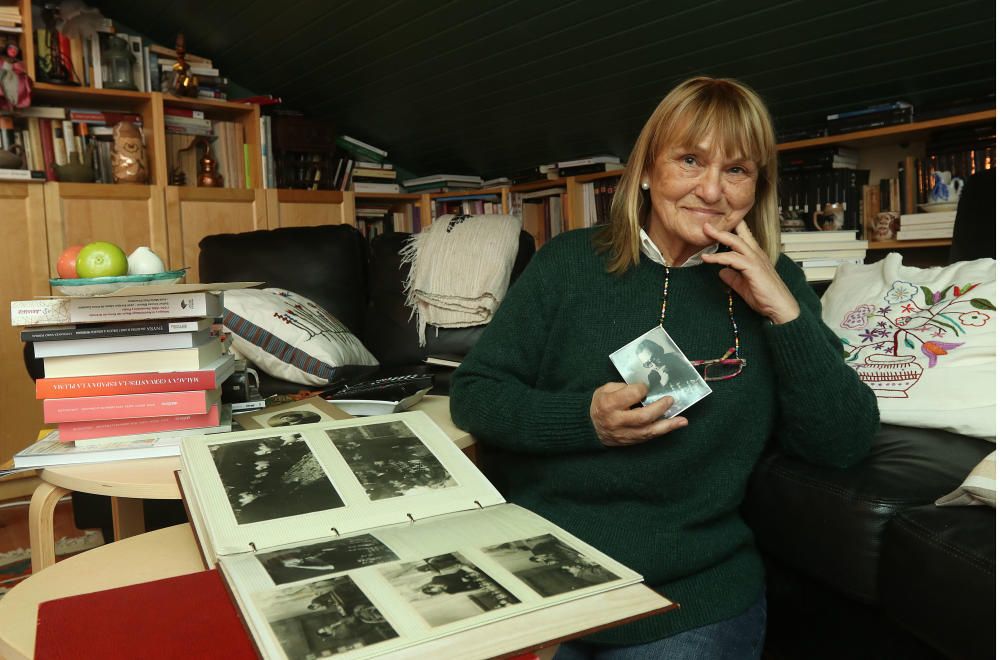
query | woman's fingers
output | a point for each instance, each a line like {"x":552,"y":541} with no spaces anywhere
{"x":619,"y":424}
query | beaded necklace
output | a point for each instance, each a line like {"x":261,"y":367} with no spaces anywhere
{"x":734,"y":350}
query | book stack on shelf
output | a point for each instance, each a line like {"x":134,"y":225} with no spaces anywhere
{"x":211,"y":85}
{"x":10,"y":19}
{"x":820,"y":253}
{"x":376,"y":217}
{"x":439,"y":183}
{"x":370,"y":177}
{"x":377,"y":176}
{"x":921,"y":226}
{"x":588,"y":165}
{"x":124,"y":376}
{"x":874,"y":116}
{"x":543,"y":172}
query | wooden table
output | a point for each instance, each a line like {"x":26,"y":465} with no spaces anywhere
{"x":173,"y":551}
{"x":130,"y":482}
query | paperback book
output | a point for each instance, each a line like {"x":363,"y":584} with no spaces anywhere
{"x":211,"y":376}
{"x":362,"y":537}
{"x":113,"y":330}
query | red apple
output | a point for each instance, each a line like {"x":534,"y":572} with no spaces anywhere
{"x":66,"y":266}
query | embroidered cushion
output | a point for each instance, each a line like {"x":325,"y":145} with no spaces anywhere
{"x":980,"y":487}
{"x":290,"y":336}
{"x":924,"y":339}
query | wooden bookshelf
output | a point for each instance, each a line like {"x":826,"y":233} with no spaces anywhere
{"x":917,"y":130}
{"x":913,"y":244}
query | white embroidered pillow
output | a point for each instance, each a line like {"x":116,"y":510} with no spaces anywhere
{"x":290,"y":336}
{"x":924,"y":339}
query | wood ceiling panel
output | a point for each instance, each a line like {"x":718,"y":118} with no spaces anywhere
{"x":490,"y":86}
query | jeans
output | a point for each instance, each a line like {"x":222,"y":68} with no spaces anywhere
{"x":738,"y":638}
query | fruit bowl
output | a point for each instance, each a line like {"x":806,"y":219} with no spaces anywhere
{"x":102,"y":286}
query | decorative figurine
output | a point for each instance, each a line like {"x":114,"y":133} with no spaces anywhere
{"x":15,"y":85}
{"x":128,"y":154}
{"x":183,"y":82}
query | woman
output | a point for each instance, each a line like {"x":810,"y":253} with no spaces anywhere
{"x":692,"y":246}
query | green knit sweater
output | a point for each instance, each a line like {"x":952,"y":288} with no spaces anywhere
{"x":667,"y":508}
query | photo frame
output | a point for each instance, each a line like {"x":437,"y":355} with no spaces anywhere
{"x":294,"y":413}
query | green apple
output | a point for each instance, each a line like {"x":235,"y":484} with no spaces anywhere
{"x":101,"y":259}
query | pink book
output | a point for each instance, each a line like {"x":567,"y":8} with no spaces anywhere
{"x":126,"y":406}
{"x":70,"y":431}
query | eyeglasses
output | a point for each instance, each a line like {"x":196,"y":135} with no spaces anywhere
{"x":722,"y":368}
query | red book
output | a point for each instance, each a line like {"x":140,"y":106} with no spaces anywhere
{"x":209,"y":378}
{"x":48,"y":150}
{"x":124,"y":406}
{"x":99,"y":117}
{"x":188,"y":616}
{"x":70,"y":431}
{"x":183,"y":112}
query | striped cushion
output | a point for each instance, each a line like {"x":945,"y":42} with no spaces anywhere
{"x":290,"y":336}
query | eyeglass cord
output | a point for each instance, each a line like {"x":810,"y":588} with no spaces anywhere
{"x":735,"y":349}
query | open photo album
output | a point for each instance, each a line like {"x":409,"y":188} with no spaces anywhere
{"x":362,"y":537}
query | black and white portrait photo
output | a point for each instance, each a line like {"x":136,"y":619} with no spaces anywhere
{"x":273,"y":477}
{"x":549,"y":566}
{"x":323,"y":618}
{"x":306,"y":562}
{"x":293,"y":418}
{"x":389,"y":460}
{"x":655,"y":361}
{"x":447,"y":588}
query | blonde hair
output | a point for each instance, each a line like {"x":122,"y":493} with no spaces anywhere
{"x":735,"y":120}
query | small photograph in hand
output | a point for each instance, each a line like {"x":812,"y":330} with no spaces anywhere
{"x":323,"y":618}
{"x":548,"y":565}
{"x":268,"y":478}
{"x":447,"y":588}
{"x":653,"y":359}
{"x":305,"y":562}
{"x":390,"y":460}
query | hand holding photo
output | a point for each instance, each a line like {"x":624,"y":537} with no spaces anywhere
{"x":654,"y":360}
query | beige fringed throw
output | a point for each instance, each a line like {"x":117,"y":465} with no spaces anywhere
{"x":459,"y":269}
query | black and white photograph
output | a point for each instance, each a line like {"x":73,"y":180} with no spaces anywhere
{"x":305,"y":562}
{"x":654,"y":360}
{"x":275,"y":477}
{"x":323,"y":618}
{"x":549,"y":566}
{"x":389,"y":460}
{"x":310,"y":410}
{"x":293,"y":418}
{"x":447,"y":588}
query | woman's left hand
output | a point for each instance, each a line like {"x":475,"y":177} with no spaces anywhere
{"x":749,"y":272}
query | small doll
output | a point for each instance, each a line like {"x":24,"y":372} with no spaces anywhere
{"x":15,"y":85}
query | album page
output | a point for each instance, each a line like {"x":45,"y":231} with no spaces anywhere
{"x":265,"y":487}
{"x":374,"y":592}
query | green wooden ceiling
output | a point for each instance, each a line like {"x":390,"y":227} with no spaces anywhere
{"x":490,"y":87}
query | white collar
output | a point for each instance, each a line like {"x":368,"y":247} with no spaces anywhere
{"x":649,"y":249}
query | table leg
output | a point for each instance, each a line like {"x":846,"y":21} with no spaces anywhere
{"x":41,"y":525}
{"x":126,"y":515}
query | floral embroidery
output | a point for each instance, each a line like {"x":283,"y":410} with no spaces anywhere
{"x":900,"y":292}
{"x":915,"y":324}
{"x":977,"y":319}
{"x":857,"y":317}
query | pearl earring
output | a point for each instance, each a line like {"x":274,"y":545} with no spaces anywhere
{"x":644,"y":185}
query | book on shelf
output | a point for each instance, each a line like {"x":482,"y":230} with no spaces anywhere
{"x":820,"y":273}
{"x":103,"y":428}
{"x":114,"y":330}
{"x":376,"y":173}
{"x":498,"y":182}
{"x":590,"y":160}
{"x":838,"y":236}
{"x":366,"y":187}
{"x":211,"y":376}
{"x":538,"y":194}
{"x":7,"y":174}
{"x":872,"y":109}
{"x":827,"y":253}
{"x":99,"y":364}
{"x":60,"y":311}
{"x":361,"y":150}
{"x":589,"y":169}
{"x":127,"y":406}
{"x":52,"y":450}
{"x":443,"y":179}
{"x":375,"y":535}
{"x":931,"y":218}
{"x":924,"y":234}
{"x":81,"y":346}
{"x":444,"y":359}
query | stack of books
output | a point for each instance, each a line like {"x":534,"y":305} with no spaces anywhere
{"x":378,"y":174}
{"x":820,"y":253}
{"x":914,"y":226}
{"x":588,"y":165}
{"x":370,"y":177}
{"x":443,"y":183}
{"x":121,"y":370}
{"x":211,"y":85}
{"x":875,"y":116}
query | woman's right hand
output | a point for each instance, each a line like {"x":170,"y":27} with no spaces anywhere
{"x":619,"y":425}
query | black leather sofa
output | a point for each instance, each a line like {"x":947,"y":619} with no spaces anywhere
{"x":861,"y":563}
